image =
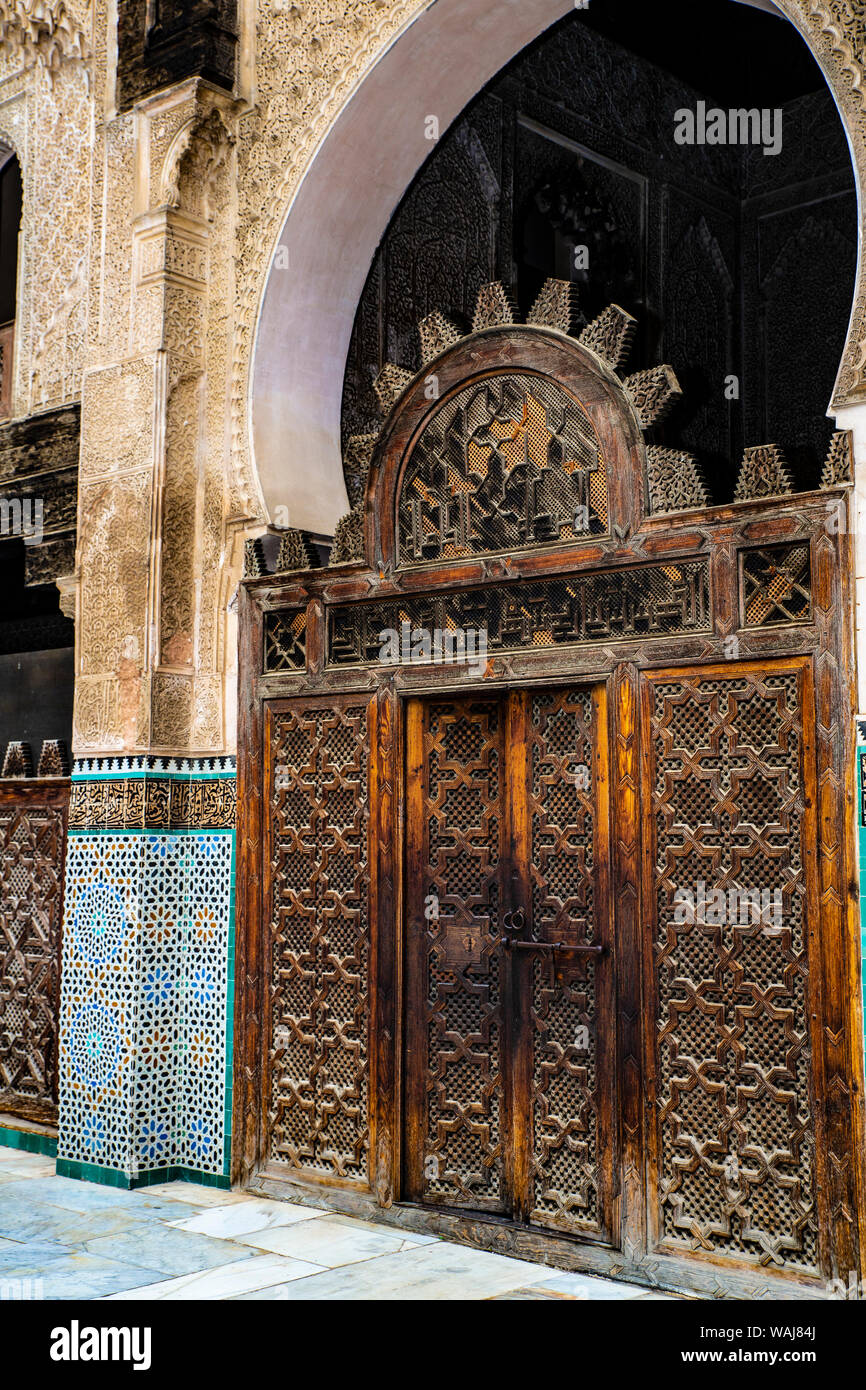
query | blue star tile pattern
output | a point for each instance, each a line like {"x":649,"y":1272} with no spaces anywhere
{"x":100,"y":922}
{"x":146,"y":993}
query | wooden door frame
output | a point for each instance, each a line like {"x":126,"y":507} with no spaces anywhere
{"x":311,"y":632}
{"x":634,"y":1258}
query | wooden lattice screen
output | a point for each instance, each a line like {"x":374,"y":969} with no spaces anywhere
{"x":33,"y":816}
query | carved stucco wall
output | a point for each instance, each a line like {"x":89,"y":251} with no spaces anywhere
{"x":147,"y":240}
{"x":154,"y":459}
{"x":46,"y":118}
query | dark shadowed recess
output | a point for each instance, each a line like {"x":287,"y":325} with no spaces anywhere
{"x":736,"y":263}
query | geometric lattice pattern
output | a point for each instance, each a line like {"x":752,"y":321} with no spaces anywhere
{"x":286,"y":641}
{"x":146,"y":996}
{"x":463,"y":1149}
{"x":511,"y":461}
{"x":320,"y":940}
{"x":564,"y":1079}
{"x":735,"y":1120}
{"x":776,"y":585}
{"x":31,"y":893}
{"x":644,"y":601}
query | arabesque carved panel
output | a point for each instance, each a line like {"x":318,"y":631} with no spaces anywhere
{"x":565,"y":1017}
{"x":736,"y":1158}
{"x":647,"y":601}
{"x":319,"y":874}
{"x":510,"y":461}
{"x":458,"y":981}
{"x":32,"y":850}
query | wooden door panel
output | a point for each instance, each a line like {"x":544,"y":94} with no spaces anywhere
{"x":509,"y":1051}
{"x":456,"y":1098}
{"x":317,"y":890}
{"x":33,"y":828}
{"x":729,"y":792}
{"x":571,"y":1041}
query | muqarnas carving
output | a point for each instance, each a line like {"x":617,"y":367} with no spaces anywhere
{"x":436,"y":333}
{"x":674,"y":481}
{"x":357,"y":457}
{"x":45,"y":32}
{"x":839,"y":464}
{"x":763,"y":473}
{"x":494,"y":307}
{"x":390,"y":385}
{"x":653,"y":393}
{"x":54,"y":759}
{"x":557,"y":306}
{"x":349,"y":538}
{"x":514,"y":460}
{"x":348,"y":544}
{"x":296,"y":552}
{"x":255,"y":564}
{"x":18,"y":761}
{"x":610,"y":336}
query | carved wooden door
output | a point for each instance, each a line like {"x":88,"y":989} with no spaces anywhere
{"x":473,"y":981}
{"x":730,"y":871}
{"x":509,"y":975}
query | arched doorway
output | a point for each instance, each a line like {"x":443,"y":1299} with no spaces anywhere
{"x":545,"y":946}
{"x":349,"y":194}
{"x":423,"y":1045}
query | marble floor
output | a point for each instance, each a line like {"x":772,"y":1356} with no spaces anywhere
{"x":60,"y":1239}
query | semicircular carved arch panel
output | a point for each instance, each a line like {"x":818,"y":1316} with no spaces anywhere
{"x":512,"y":460}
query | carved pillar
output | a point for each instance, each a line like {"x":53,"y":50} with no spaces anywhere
{"x":146,"y":979}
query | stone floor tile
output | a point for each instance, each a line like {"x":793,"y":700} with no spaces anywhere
{"x":379,"y":1227}
{"x":569,"y":1284}
{"x":87,"y":1276}
{"x":325,"y":1241}
{"x":244,"y":1218}
{"x":67,"y":1239}
{"x":22,"y":1219}
{"x":225,"y":1281}
{"x":71,"y":1195}
{"x":165,"y":1250}
{"x":442,"y":1271}
{"x":22,"y":1164}
{"x":25,"y":1258}
{"x":196,"y":1194}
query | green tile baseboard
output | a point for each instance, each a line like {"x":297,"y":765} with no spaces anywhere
{"x":114,"y":1177}
{"x":31,"y":1141}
